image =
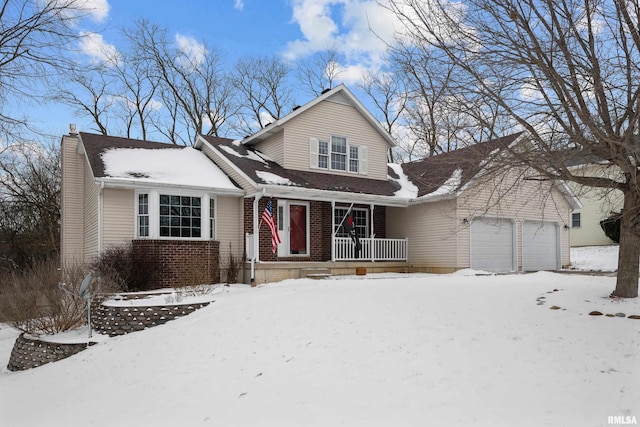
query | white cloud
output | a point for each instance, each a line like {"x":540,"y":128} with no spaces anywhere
{"x":93,"y":45}
{"x":357,"y":30}
{"x":239,"y":4}
{"x":97,"y":9}
{"x":194,"y":52}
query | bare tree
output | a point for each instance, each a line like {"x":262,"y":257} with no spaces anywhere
{"x":33,"y":37}
{"x":389,"y":96}
{"x":441,"y":113}
{"x":191,"y":83}
{"x":571,"y":80}
{"x":319,"y":72}
{"x":88,"y":91}
{"x":262,"y":85}
{"x":29,"y":204}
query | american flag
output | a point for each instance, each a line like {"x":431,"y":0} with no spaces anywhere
{"x":267,"y":217}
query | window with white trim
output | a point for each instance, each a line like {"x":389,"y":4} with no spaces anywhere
{"x":180,"y":216}
{"x":338,"y":155}
{"x":163,"y":215}
{"x":143,"y":215}
{"x":360,"y":221}
{"x":212,"y":219}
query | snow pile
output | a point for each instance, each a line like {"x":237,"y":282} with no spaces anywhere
{"x":251,"y":155}
{"x":172,"y":166}
{"x":407,"y":190}
{"x":596,"y":258}
{"x":449,"y":186}
{"x":271,"y":178}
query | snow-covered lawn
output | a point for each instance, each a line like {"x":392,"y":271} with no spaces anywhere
{"x":383,"y":350}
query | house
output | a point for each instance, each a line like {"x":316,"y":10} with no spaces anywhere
{"x":598,"y":203}
{"x":199,"y":206}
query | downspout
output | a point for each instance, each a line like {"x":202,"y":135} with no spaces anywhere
{"x":100,"y":217}
{"x":256,"y":237}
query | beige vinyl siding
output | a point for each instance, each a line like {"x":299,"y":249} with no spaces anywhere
{"x":527,"y":200}
{"x":230,"y":227}
{"x":273,"y":146}
{"x":431,"y":229}
{"x":329,"y":118}
{"x":72,"y":202}
{"x":118,"y":217}
{"x":598,"y":203}
{"x":91,"y":215}
{"x":221,"y":162}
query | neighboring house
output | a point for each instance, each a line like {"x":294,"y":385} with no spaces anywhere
{"x":205,"y":203}
{"x":598,"y":203}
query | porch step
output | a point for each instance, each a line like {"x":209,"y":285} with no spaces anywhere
{"x":315,"y":273}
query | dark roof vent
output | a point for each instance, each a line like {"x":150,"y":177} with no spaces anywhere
{"x":296,"y":107}
{"x":325,"y":91}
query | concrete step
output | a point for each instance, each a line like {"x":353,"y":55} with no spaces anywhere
{"x":315,"y":273}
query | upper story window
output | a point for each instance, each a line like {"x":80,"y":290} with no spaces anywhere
{"x":166,"y":215}
{"x":338,"y":155}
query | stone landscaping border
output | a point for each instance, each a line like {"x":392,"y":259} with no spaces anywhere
{"x":30,"y":353}
{"x":117,"y":320}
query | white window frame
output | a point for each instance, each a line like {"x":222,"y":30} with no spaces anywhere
{"x":345,"y":209}
{"x":321,"y":158}
{"x":154,"y":213}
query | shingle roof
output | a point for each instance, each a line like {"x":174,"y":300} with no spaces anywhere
{"x":431,"y":173}
{"x":95,"y":145}
{"x":263,"y":170}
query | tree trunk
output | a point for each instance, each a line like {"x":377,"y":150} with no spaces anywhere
{"x":628,"y":264}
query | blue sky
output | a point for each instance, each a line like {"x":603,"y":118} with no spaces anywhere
{"x":293,"y":29}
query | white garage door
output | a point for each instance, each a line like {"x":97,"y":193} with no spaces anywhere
{"x":540,"y":246}
{"x":492,"y":244}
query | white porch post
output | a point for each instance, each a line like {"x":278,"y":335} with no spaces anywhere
{"x":373,"y":235}
{"x":333,"y":231}
{"x":256,"y":232}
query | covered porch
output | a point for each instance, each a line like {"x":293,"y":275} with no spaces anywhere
{"x":320,"y":232}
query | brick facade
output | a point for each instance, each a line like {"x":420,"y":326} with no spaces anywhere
{"x":319,"y":229}
{"x":183,"y":262}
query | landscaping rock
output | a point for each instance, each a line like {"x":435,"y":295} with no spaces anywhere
{"x":621,"y":315}
{"x":634,"y":316}
{"x":595,"y":313}
{"x":554,"y":307}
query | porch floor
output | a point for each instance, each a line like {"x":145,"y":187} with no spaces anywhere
{"x":266,"y":272}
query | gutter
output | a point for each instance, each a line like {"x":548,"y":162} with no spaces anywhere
{"x":136,"y":184}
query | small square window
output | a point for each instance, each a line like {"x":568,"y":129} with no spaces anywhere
{"x":575,"y":220}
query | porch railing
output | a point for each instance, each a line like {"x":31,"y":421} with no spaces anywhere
{"x":344,"y":249}
{"x":371,"y":249}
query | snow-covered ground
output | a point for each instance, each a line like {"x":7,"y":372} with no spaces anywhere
{"x":378,"y":350}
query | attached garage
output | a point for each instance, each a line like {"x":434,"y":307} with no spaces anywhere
{"x":540,"y":245}
{"x":493,"y":244}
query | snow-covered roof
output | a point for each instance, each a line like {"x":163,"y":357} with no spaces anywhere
{"x":132,"y":162}
{"x":185,"y":167}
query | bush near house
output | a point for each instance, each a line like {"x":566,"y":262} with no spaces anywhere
{"x":32,"y":302}
{"x":611,"y":227}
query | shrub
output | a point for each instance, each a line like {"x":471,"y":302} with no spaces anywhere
{"x":130,"y":270}
{"x":611,"y":227}
{"x":232,"y":266}
{"x":32,"y":302}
